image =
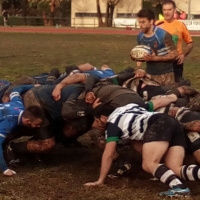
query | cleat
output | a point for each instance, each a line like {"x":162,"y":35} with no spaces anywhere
{"x":11,"y":157}
{"x":122,"y":169}
{"x":9,"y":154}
{"x":154,"y":179}
{"x":176,"y":192}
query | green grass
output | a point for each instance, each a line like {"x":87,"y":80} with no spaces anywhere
{"x":62,"y":177}
{"x":30,"y":54}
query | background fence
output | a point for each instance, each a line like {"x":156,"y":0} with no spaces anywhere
{"x":69,"y":22}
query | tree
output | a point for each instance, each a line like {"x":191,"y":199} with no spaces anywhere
{"x":99,"y":15}
{"x":48,"y":9}
{"x":110,"y":10}
{"x":110,"y":7}
{"x":155,"y":5}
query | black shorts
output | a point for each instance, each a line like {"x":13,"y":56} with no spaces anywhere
{"x":150,"y":91}
{"x":162,"y":127}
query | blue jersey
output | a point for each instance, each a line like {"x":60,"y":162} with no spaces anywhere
{"x":10,"y":117}
{"x":101,"y":74}
{"x":161,"y":44}
{"x":10,"y":114}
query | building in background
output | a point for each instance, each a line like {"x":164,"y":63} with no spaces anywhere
{"x":84,"y":13}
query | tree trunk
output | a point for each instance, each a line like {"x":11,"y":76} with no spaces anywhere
{"x":23,"y":4}
{"x":0,"y":7}
{"x":110,"y":19}
{"x":107,"y":14}
{"x":99,"y":15}
{"x":45,"y":18}
{"x":110,"y":11}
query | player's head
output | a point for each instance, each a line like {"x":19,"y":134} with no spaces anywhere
{"x":73,"y":128}
{"x":146,"y":18}
{"x":33,"y":117}
{"x":169,"y":9}
{"x":101,"y":114}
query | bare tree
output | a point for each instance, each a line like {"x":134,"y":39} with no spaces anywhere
{"x":110,"y":7}
{"x":99,"y":14}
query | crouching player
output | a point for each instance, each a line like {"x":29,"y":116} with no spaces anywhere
{"x":159,"y":141}
{"x":13,"y":114}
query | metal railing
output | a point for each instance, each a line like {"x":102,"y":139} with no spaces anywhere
{"x":48,"y":21}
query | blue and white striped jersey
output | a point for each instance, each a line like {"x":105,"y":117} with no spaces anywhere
{"x":127,"y":122}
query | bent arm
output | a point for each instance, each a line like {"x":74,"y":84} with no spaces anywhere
{"x":163,"y":101}
{"x":17,"y":91}
{"x":170,"y":47}
{"x":168,"y":57}
{"x":72,"y":79}
{"x":107,"y":159}
{"x":188,"y":49}
{"x":106,"y":162}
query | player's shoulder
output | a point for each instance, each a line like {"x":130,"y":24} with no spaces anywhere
{"x":178,"y":23}
{"x":140,"y":35}
{"x":159,"y":32}
{"x":159,"y":22}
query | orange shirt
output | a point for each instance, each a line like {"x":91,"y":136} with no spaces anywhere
{"x":179,"y":32}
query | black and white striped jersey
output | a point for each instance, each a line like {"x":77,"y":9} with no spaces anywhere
{"x":127,"y":122}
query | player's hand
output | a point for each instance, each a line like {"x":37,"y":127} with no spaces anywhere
{"x":90,"y":98}
{"x":9,"y":172}
{"x":140,"y":73}
{"x":149,"y":57}
{"x":180,"y":59}
{"x":5,"y":99}
{"x":93,"y":184}
{"x":96,"y":103}
{"x":138,"y":64}
{"x":37,"y":85}
{"x":57,"y":93}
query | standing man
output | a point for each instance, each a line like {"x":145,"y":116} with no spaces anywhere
{"x":179,"y":33}
{"x":159,"y":64}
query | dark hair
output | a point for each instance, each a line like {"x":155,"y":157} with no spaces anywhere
{"x":33,"y":112}
{"x":71,"y":68}
{"x":80,"y":125}
{"x":146,"y":13}
{"x":169,"y":2}
{"x":103,"y":109}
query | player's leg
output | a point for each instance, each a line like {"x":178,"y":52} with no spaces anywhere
{"x":156,"y":143}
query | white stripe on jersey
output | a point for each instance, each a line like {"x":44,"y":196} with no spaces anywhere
{"x":132,"y":120}
{"x":163,"y":51}
{"x":14,"y":94}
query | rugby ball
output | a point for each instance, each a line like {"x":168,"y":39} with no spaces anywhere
{"x":138,"y":52}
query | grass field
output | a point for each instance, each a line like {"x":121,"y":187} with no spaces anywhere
{"x":22,"y":53}
{"x":65,"y":170}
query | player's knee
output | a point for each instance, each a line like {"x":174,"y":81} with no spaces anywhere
{"x":146,"y":166}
